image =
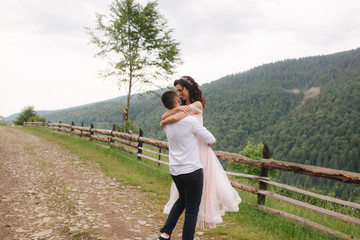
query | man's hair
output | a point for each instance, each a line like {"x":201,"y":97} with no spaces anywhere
{"x":169,"y":99}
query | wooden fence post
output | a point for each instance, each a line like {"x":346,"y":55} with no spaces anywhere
{"x":82,"y":125}
{"x":263,"y":173}
{"x":72,"y":126}
{"x":91,"y":132}
{"x":59,"y":126}
{"x":112,"y":135}
{"x":159,"y":157}
{"x":141,"y":134}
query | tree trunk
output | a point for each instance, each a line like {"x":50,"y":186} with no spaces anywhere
{"x":127,"y":106}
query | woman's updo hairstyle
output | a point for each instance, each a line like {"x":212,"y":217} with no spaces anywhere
{"x":195,"y":93}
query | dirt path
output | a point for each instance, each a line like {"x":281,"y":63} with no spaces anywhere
{"x":48,"y":193}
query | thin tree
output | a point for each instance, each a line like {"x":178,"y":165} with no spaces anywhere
{"x":138,"y":44}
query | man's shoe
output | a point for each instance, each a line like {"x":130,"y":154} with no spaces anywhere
{"x":161,"y":238}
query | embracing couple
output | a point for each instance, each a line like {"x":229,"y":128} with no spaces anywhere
{"x":200,"y":185}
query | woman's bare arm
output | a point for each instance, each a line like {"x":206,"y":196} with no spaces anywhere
{"x":199,"y":105}
{"x":173,"y":118}
{"x":180,"y":113}
{"x":169,"y":113}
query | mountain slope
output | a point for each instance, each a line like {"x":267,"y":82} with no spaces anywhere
{"x":307,"y":110}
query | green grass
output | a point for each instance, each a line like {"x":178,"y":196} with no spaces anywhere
{"x":252,"y":223}
{"x":248,"y":223}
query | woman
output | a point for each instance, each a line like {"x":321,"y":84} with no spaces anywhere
{"x":218,"y":194}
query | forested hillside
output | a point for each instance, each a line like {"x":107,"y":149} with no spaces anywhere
{"x":307,"y":110}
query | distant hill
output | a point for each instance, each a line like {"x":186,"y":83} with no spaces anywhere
{"x":53,"y":112}
{"x":307,"y":110}
{"x":64,"y":114}
{"x":102,"y":114}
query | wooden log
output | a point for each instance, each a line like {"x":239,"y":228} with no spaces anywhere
{"x":247,"y":175}
{"x":81,"y":134}
{"x":85,"y":134}
{"x":237,"y":158}
{"x":123,"y":148}
{"x":102,"y":131}
{"x":66,"y":130}
{"x":152,"y":159}
{"x":338,"y":175}
{"x":158,"y":153}
{"x":244,"y":187}
{"x":126,"y":142}
{"x":81,"y":128}
{"x":100,"y":138}
{"x":155,"y":143}
{"x":311,"y":207}
{"x":34,"y":124}
{"x":64,"y":125}
{"x":126,"y":136}
{"x":136,"y":138}
{"x":306,"y":222}
{"x":326,"y":198}
{"x":77,"y":133}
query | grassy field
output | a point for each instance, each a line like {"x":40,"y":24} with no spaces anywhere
{"x":248,"y":223}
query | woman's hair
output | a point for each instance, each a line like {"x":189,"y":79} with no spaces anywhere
{"x":195,"y":93}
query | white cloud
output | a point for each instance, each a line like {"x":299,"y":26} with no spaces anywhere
{"x":46,"y":61}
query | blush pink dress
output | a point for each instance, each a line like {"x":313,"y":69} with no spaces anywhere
{"x":218,"y":194}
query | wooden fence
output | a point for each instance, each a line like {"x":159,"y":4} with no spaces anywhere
{"x":134,"y":144}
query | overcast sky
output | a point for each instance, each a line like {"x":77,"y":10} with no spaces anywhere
{"x":46,"y":61}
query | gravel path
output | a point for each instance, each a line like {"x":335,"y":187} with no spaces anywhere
{"x":48,"y":193}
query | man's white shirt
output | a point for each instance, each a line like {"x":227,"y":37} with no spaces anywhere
{"x":184,"y":155}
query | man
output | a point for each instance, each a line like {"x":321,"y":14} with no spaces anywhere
{"x":185,"y":168}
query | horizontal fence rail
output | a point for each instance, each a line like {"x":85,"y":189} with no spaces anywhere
{"x":338,"y":175}
{"x":134,"y":144}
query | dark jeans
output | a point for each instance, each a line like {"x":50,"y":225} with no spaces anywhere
{"x":190,"y":190}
